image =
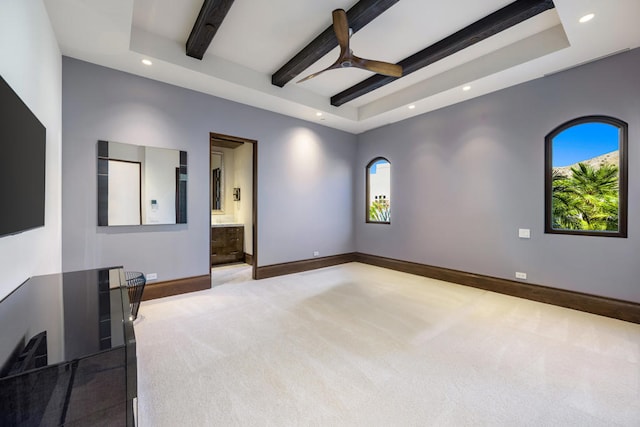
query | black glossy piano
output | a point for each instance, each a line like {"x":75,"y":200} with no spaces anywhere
{"x":68,"y":352}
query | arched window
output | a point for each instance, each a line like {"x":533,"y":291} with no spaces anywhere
{"x":379,"y":191}
{"x":586,"y":177}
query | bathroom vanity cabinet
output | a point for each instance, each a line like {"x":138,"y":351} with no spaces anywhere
{"x":227,"y":244}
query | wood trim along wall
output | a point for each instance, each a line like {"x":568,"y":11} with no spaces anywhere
{"x":248,"y":258}
{"x":176,"y":287}
{"x":609,"y":307}
{"x":303,"y":265}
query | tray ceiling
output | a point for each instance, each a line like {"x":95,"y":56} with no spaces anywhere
{"x":256,"y":39}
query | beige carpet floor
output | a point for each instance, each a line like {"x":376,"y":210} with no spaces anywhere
{"x":356,"y":345}
{"x":231,"y":273}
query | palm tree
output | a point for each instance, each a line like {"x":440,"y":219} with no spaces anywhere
{"x":588,"y":199}
{"x":563,"y":213}
{"x":380,"y":209}
{"x":597,"y":193}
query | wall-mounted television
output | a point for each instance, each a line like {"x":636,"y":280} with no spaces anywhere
{"x":22,"y":165}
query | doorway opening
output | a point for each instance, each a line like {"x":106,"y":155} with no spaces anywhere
{"x":233,"y":195}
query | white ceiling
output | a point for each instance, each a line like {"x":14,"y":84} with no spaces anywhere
{"x":258,"y":36}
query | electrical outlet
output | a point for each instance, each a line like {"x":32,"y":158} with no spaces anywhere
{"x":151,"y":276}
{"x":520,"y":275}
{"x":524,"y":233}
{"x":316,"y":253}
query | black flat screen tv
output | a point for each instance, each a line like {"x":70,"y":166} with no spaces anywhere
{"x":22,"y":165}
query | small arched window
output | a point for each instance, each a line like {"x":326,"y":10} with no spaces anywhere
{"x":586,"y":177}
{"x":379,"y":191}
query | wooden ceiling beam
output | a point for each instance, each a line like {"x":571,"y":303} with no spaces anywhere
{"x":486,"y":27}
{"x":209,"y":20}
{"x":358,"y":16}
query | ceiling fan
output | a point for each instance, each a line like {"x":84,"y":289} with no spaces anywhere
{"x":347,"y":58}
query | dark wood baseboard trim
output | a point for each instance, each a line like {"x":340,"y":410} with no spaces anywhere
{"x":609,"y":307}
{"x":176,"y":287}
{"x":248,"y":258}
{"x":603,"y":306}
{"x":304,"y":265}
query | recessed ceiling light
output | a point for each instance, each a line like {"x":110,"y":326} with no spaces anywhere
{"x":319,"y":114}
{"x":586,"y":18}
{"x":146,"y":62}
{"x":411,"y":107}
{"x":466,"y":88}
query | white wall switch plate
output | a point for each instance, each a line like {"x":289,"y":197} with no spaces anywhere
{"x":524,"y":233}
{"x":316,"y":253}
{"x":520,"y":275}
{"x":151,"y":276}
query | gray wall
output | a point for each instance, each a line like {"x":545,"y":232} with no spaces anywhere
{"x":465,"y":178}
{"x":305,"y":174}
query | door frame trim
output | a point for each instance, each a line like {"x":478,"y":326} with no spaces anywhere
{"x":254,"y":143}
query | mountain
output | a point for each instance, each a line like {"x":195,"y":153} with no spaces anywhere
{"x":612,"y":158}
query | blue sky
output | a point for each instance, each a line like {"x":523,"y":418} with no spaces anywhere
{"x":584,"y":142}
{"x":374,"y":166}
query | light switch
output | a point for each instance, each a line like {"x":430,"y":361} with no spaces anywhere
{"x":524,"y":233}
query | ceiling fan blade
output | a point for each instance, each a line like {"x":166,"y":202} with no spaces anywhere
{"x":341,"y":28}
{"x":347,"y":58}
{"x":310,"y":76}
{"x":379,"y":67}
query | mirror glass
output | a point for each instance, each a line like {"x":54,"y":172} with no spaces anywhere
{"x":217,"y":182}
{"x":140,"y":185}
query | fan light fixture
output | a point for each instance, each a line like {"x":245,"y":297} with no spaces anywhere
{"x":347,"y":58}
{"x":146,"y":62}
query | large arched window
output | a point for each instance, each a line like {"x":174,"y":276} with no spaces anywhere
{"x":379,"y":191}
{"x":586,"y":177}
